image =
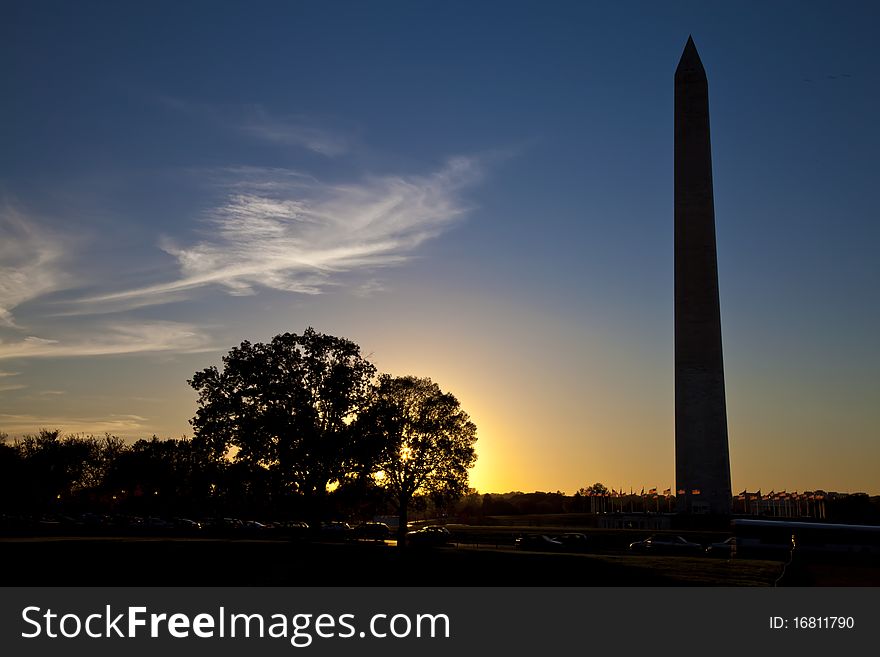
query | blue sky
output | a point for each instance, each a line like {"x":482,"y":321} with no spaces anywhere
{"x":476,"y":192}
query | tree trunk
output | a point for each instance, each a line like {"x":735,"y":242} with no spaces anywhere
{"x":314,"y":511}
{"x":402,"y":516}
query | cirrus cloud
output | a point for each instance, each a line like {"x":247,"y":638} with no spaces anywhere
{"x":118,"y":338}
{"x":122,"y":425}
{"x":294,"y":131}
{"x":30,"y":258}
{"x":282,"y":230}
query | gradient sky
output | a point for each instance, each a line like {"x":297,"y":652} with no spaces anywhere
{"x":480,"y":193}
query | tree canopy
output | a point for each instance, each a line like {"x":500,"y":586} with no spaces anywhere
{"x":285,"y":408}
{"x":597,"y":489}
{"x":426,"y":440}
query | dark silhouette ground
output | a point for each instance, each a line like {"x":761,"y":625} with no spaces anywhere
{"x":69,"y":561}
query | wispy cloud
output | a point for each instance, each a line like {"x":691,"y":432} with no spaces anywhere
{"x":368,"y":289}
{"x":295,"y":131}
{"x":5,"y":387}
{"x":281,"y":230}
{"x":119,"y":425}
{"x":119,"y":338}
{"x":318,"y":135}
{"x":30,"y":258}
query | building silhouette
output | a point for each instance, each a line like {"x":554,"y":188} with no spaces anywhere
{"x":702,"y":461}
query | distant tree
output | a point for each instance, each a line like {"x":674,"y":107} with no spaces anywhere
{"x":597,"y":489}
{"x":55,"y":466}
{"x":159,"y":477}
{"x":425,"y":441}
{"x":110,"y":448}
{"x":469,"y":505}
{"x":591,"y":492}
{"x":286,"y":408}
{"x":10,"y":475}
{"x":854,"y":508}
{"x":497,"y":505}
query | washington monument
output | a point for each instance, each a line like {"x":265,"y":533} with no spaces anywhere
{"x":702,"y":460}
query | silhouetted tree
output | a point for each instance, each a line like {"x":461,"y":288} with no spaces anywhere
{"x":856,"y":508}
{"x":55,"y":466}
{"x":596,"y":489}
{"x":159,"y":477}
{"x":469,"y":505}
{"x":10,"y":476}
{"x":426,"y":439}
{"x":286,"y":408}
{"x":359,"y":497}
{"x":498,"y":505}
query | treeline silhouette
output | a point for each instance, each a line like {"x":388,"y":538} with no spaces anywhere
{"x":50,"y":476}
{"x":299,"y":427}
{"x":856,"y":508}
{"x":48,"y":473}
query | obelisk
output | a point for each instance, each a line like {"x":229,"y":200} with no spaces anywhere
{"x":702,"y":460}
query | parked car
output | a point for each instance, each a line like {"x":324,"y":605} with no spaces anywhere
{"x":537,"y":542}
{"x":153,"y":522}
{"x":256,"y":526}
{"x":725,"y":548}
{"x":336,"y":531}
{"x":234,"y":524}
{"x":187,"y":524}
{"x":665,"y":544}
{"x":573,"y":541}
{"x":430,"y":536}
{"x":373,"y":531}
{"x":293,"y":526}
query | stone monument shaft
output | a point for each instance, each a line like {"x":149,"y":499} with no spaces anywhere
{"x":702,"y":461}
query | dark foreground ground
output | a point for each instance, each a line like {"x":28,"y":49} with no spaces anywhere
{"x":127,"y":561}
